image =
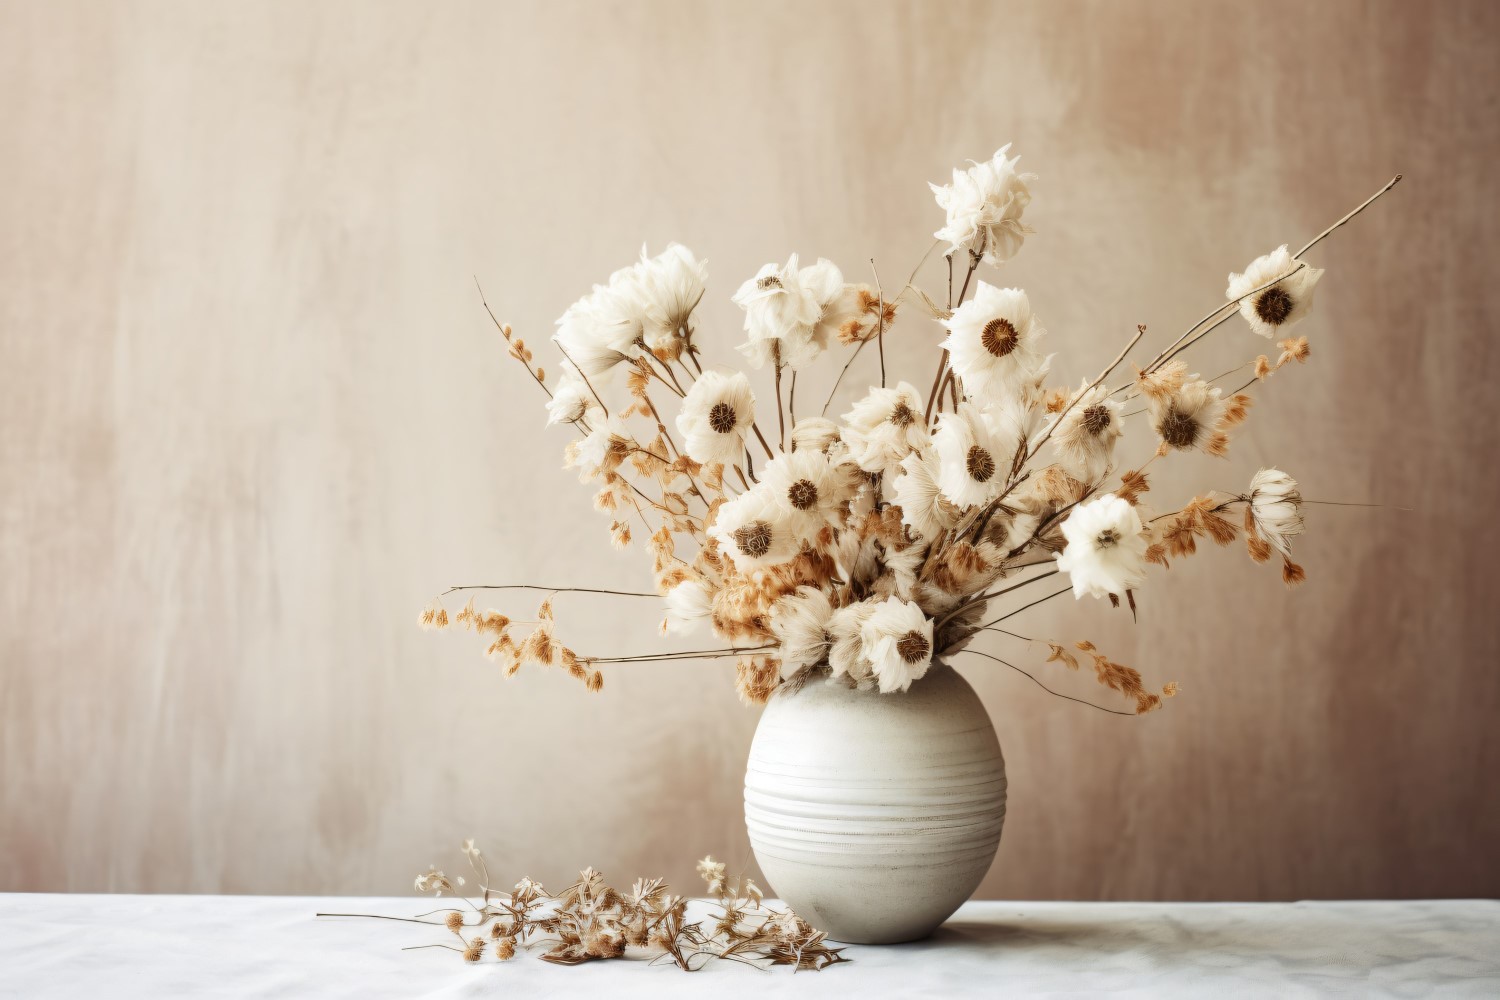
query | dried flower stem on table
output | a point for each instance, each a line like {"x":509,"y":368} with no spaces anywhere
{"x":590,"y":920}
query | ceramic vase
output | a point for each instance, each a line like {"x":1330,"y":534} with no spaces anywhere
{"x":875,"y":816}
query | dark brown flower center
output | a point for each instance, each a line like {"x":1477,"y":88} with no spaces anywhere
{"x":980,"y":464}
{"x":1178,"y":429}
{"x":999,"y":337}
{"x":722,"y":417}
{"x":1274,"y":305}
{"x":1096,"y":419}
{"x":803,"y":494}
{"x":1108,"y":538}
{"x":903,"y":415}
{"x":753,"y":539}
{"x":913,"y":647}
{"x":769,"y":281}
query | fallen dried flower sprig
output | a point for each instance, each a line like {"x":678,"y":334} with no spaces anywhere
{"x":863,"y":550}
{"x":590,"y":920}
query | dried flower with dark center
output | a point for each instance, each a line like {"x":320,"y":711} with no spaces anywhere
{"x":1108,"y":538}
{"x":999,"y":337}
{"x":753,"y":539}
{"x":722,"y":417}
{"x":1274,"y":305}
{"x":913,"y":647}
{"x":803,"y":494}
{"x":981,"y":464}
{"x":769,"y":281}
{"x":1178,"y":429}
{"x":903,"y":415}
{"x":1096,"y":419}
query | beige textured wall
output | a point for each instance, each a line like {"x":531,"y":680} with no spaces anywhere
{"x":251,"y":417}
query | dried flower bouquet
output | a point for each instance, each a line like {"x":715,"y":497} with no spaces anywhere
{"x":864,"y":549}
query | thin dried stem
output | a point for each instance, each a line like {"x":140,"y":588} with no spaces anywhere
{"x":1030,"y":677}
{"x":552,"y":590}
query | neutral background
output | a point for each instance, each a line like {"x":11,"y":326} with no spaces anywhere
{"x":252,"y":417}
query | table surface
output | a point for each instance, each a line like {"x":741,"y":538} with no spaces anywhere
{"x":210,"y":946}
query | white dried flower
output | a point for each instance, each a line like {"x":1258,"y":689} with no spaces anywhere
{"x":992,"y":342}
{"x":1085,"y":436}
{"x":1276,"y":308}
{"x":975,"y":450}
{"x":600,"y":330}
{"x":688,"y":603}
{"x":1276,"y":506}
{"x":846,"y":656}
{"x":800,"y":622}
{"x":571,"y":398}
{"x":923,"y":508}
{"x":1186,"y":419}
{"x":984,"y":206}
{"x":814,"y":434}
{"x":670,"y":286}
{"x":435,"y":881}
{"x":712,"y":873}
{"x":716,"y":413}
{"x":806,"y":488}
{"x":896,"y":638}
{"x":1106,"y":548}
{"x":885,"y":427}
{"x":594,"y":447}
{"x":784,"y":311}
{"x":754,"y":532}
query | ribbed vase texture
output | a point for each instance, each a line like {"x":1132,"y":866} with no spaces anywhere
{"x":875,"y":816}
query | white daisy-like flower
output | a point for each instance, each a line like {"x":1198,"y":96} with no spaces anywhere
{"x":1186,"y":419}
{"x":571,"y":398}
{"x":974,"y":453}
{"x":814,"y":434}
{"x":716,"y":413}
{"x":594,"y":447}
{"x":688,"y":603}
{"x":590,"y":345}
{"x":754,"y":532}
{"x":992,"y":342}
{"x":923,"y":507}
{"x":600,"y":330}
{"x":800,"y":622}
{"x":984,"y":205}
{"x":1276,"y":506}
{"x":784,"y":311}
{"x":806,"y":488}
{"x":897,"y":640}
{"x":1085,"y":437}
{"x":671,"y":285}
{"x":885,"y":427}
{"x":1106,"y":548}
{"x":846,"y":657}
{"x":1276,"y":308}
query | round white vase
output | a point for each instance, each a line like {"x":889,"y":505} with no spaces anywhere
{"x":875,"y":816}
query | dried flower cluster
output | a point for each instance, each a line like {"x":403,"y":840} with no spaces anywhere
{"x":590,"y":920}
{"x":866,"y":548}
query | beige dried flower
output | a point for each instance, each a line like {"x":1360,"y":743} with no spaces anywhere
{"x":756,"y":679}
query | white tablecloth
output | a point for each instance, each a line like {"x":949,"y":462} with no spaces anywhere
{"x":207,"y":946}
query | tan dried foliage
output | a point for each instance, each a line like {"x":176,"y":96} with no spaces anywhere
{"x":592,"y":921}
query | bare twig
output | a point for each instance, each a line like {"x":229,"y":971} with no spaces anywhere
{"x":1028,"y":676}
